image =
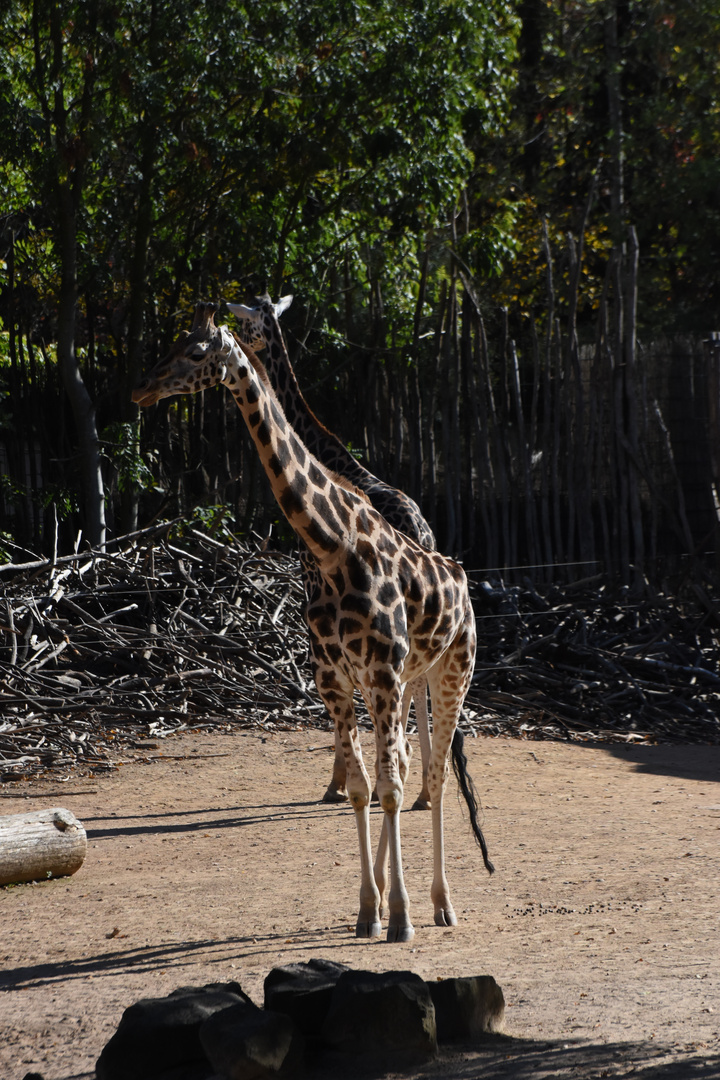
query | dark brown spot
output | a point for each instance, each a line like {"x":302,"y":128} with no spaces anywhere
{"x":386,"y":544}
{"x":384,"y":679}
{"x":323,"y":508}
{"x":298,"y":450}
{"x":279,"y":460}
{"x":387,"y":593}
{"x":360,"y":604}
{"x":317,"y":478}
{"x":381,"y":623}
{"x":290,"y":502}
{"x":323,"y":539}
{"x":277,"y":416}
{"x":339,"y":506}
{"x":378,"y":651}
{"x":357,"y":573}
{"x":432,"y":604}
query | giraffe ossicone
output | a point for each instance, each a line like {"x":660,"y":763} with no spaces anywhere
{"x":387,"y":611}
{"x":260,"y":328}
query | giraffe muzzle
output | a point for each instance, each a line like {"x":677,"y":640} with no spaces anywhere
{"x":144,"y":394}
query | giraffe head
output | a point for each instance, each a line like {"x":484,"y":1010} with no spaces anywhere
{"x":258,"y":321}
{"x":197,"y":361}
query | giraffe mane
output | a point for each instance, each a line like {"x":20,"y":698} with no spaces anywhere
{"x":262,"y":374}
{"x":265,"y":298}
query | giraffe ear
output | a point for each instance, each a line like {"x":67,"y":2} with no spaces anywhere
{"x":240,"y":310}
{"x":283,"y":304}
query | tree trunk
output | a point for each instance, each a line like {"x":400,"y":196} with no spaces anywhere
{"x":83,"y":407}
{"x":66,"y":187}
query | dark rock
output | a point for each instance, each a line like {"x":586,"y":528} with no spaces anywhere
{"x":157,"y":1035}
{"x":468,"y":1007}
{"x":304,"y":991}
{"x":387,"y":1016}
{"x":249,"y":1044}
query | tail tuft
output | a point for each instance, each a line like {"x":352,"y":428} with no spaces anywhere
{"x":468,"y":790}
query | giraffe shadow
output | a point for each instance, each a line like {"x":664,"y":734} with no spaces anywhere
{"x":178,"y":955}
{"x":153,"y":827}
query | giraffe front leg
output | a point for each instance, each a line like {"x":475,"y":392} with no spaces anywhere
{"x":393,"y":765}
{"x":336,"y":692}
{"x":383,"y":849}
{"x":399,"y":926}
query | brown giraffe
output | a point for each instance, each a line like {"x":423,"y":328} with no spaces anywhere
{"x":261,"y":330}
{"x":388,"y":611}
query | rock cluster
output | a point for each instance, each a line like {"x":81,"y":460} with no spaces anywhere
{"x":318,"y":1014}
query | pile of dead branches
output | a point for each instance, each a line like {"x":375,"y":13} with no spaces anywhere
{"x":590,"y":662}
{"x":165,"y":633}
{"x":172,"y":629}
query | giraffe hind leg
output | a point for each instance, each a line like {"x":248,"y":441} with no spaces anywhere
{"x":417,"y":690}
{"x":336,"y":791}
{"x":359,"y":790}
{"x":393,"y":762}
{"x":448,"y":681}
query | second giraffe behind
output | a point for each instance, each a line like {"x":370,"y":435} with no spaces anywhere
{"x":388,"y":612}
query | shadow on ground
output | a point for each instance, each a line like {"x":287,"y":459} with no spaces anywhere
{"x":689,"y":762}
{"x":500,"y":1057}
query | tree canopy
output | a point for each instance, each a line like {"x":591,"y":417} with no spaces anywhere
{"x":367,"y":157}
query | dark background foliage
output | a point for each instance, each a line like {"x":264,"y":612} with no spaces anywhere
{"x":499,"y":222}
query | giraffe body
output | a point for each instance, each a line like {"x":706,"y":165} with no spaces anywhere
{"x":385,"y":611}
{"x":260,"y":329}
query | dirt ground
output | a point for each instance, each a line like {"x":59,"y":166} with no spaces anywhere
{"x":210,"y":858}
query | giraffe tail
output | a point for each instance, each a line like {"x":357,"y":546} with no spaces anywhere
{"x":469,"y":794}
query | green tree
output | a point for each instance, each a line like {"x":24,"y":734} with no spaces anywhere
{"x":50,"y":95}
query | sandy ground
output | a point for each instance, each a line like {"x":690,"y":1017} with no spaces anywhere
{"x":210,"y":858}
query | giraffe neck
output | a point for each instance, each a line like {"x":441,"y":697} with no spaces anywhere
{"x":326,"y":446}
{"x":326,"y":516}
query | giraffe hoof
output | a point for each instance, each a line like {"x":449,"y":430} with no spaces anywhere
{"x":421,"y":804}
{"x":445,"y":917}
{"x":368,"y":929}
{"x":334,"y":795}
{"x":405,"y":932}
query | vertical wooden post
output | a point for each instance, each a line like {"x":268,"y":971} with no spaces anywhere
{"x":712,"y":351}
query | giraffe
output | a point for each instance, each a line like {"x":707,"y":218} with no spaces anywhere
{"x":260,"y":328}
{"x":387,"y":612}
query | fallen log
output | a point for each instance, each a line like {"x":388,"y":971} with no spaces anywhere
{"x":40,"y":845}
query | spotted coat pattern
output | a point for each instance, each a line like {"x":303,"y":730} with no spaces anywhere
{"x":260,"y":329}
{"x":387,"y":611}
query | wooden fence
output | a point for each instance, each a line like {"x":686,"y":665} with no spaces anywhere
{"x":546,"y":454}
